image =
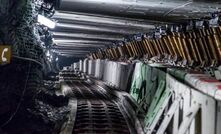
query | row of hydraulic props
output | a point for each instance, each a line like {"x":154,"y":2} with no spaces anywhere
{"x":201,"y":47}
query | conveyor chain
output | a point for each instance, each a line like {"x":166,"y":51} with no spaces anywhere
{"x":96,"y":113}
{"x":96,"y":116}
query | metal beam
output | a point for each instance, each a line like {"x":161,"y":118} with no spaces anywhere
{"x":69,"y":46}
{"x":87,"y":36}
{"x":72,"y":52}
{"x":96,"y":46}
{"x":75,"y":48}
{"x":170,"y":10}
{"x":101,"y":29}
{"x":71,"y":55}
{"x":104,"y":20}
{"x":73,"y":41}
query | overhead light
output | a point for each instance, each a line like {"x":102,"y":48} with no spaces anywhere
{"x":56,"y":59}
{"x":47,"y":53}
{"x":45,"y":21}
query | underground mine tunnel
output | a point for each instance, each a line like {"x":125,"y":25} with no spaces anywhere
{"x":110,"y":66}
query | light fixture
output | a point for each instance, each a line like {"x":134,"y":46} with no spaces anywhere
{"x":45,"y":21}
{"x":47,"y":53}
{"x":56,"y":59}
{"x":50,"y":60}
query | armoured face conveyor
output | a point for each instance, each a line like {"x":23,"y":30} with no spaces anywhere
{"x":117,"y":66}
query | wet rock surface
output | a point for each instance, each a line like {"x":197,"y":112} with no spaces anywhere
{"x":45,"y":114}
